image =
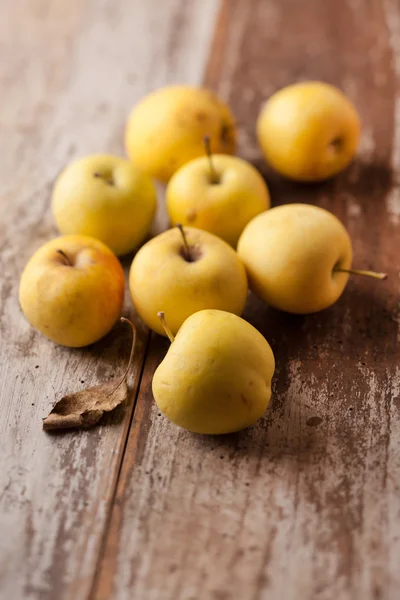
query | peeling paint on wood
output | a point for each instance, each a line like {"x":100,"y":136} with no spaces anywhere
{"x":306,"y":504}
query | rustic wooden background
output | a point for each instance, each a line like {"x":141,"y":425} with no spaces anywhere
{"x":304,"y":506}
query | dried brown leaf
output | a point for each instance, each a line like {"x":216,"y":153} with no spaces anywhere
{"x":83,"y":409}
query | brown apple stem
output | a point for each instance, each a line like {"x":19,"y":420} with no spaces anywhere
{"x":134,"y":337}
{"x":359,"y":272}
{"x":213,"y":173}
{"x":186,"y":246}
{"x":110,"y":181}
{"x":67,"y":262}
{"x":164,"y":323}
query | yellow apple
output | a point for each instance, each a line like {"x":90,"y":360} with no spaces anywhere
{"x":72,"y":290}
{"x":166,"y":129}
{"x":182,"y":275}
{"x":220,"y":196}
{"x":105,"y":197}
{"x":295,"y":255}
{"x":216,"y":376}
{"x":309,"y":131}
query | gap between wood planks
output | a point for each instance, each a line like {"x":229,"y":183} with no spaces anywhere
{"x":160,"y":225}
{"x":118,"y":470}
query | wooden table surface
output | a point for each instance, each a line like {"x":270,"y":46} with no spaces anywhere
{"x":304,"y":506}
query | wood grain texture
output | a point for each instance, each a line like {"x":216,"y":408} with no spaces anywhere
{"x":69,"y":72}
{"x":307,"y":503}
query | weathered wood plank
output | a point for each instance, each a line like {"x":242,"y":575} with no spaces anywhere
{"x":307,"y":503}
{"x":67,"y":85}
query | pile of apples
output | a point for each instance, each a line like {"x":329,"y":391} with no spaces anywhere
{"x":192,"y":280}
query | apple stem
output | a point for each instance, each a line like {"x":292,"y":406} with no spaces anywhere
{"x":104,"y":178}
{"x":213,"y":173}
{"x":65,"y":257}
{"x":359,"y":272}
{"x":161,"y":316}
{"x":125,"y":375}
{"x":185,"y":242}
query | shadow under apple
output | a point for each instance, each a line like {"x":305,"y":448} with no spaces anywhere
{"x":359,"y":331}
